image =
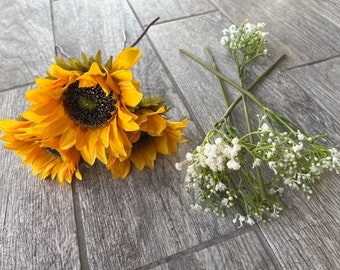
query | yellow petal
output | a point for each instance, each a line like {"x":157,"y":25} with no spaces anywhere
{"x":105,"y":135}
{"x":129,"y":95}
{"x":122,"y":75}
{"x":94,"y":70}
{"x":101,"y":154}
{"x":162,"y":145}
{"x":68,"y":139}
{"x":127,"y":58}
{"x":138,"y":159}
{"x":154,"y":126}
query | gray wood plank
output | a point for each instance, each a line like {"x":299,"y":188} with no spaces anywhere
{"x":309,"y":233}
{"x":308,"y":31}
{"x":306,"y":236}
{"x":307,"y":96}
{"x":147,"y":217}
{"x":26,"y":41}
{"x":37,"y":225}
{"x":168,"y":10}
{"x":198,"y":86}
{"x":242,"y":252}
{"x":90,"y":26}
{"x":321,"y":82}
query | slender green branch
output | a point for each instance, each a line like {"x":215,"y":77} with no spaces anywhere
{"x":264,"y":74}
{"x":213,"y":64}
{"x":223,"y":77}
{"x":224,"y":95}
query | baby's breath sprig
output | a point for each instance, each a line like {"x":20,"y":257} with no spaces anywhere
{"x":225,"y":170}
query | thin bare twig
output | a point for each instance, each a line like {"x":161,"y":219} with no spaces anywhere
{"x":124,"y":39}
{"x":144,"y":32}
{"x":62,"y":53}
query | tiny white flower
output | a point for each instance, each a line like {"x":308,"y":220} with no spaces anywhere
{"x":250,"y":221}
{"x":191,"y":169}
{"x":178,"y":166}
{"x":224,"y":40}
{"x":298,"y":147}
{"x":257,"y":163}
{"x":265,"y":127}
{"x":300,"y":136}
{"x":225,"y":201}
{"x":232,"y":28}
{"x":189,"y":156}
{"x":241,"y":220}
{"x":220,"y":186}
{"x":233,"y":165}
{"x":235,"y":141}
{"x":225,"y":31}
{"x":272,"y":165}
{"x":236,"y":218}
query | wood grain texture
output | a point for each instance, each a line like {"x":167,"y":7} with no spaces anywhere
{"x":242,"y":252}
{"x":306,"y":236}
{"x":26,"y":41}
{"x":168,"y":10}
{"x":309,"y":233}
{"x":198,"y":86}
{"x":145,"y":221}
{"x":37,"y":225}
{"x":308,"y":31}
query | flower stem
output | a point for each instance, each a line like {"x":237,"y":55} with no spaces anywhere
{"x":224,"y":78}
{"x":265,"y":73}
{"x":224,"y":95}
{"x":263,"y":193}
{"x":144,"y":32}
{"x":57,"y":46}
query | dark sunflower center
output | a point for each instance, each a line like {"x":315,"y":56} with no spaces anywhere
{"x":88,"y":106}
{"x":53,"y":152}
{"x":144,"y":138}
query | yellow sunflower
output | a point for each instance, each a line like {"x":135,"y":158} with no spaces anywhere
{"x":86,"y":104}
{"x":44,"y":155}
{"x":156,"y":135}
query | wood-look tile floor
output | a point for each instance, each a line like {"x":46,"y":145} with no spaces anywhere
{"x":145,"y":221}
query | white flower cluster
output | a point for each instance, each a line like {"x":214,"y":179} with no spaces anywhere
{"x":296,"y":159}
{"x":210,"y":173}
{"x":215,"y":156}
{"x":246,"y":36}
{"x":206,"y":169}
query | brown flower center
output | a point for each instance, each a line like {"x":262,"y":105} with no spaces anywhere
{"x":88,"y":106}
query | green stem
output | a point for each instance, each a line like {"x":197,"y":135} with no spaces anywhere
{"x":264,"y":74}
{"x":221,"y":76}
{"x":224,"y":95}
{"x":259,"y":177}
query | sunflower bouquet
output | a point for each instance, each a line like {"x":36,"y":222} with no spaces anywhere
{"x":226,"y":170}
{"x":86,"y":110}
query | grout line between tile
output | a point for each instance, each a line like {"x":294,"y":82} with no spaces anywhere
{"x":185,"y":17}
{"x":167,"y":71}
{"x":196,"y":248}
{"x":84,"y":262}
{"x":266,"y":247}
{"x":80,"y":232}
{"x":15,"y":87}
{"x":314,"y":62}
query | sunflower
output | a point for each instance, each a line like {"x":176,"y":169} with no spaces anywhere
{"x":43,"y":154}
{"x":85,"y":103}
{"x":156,"y":135}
